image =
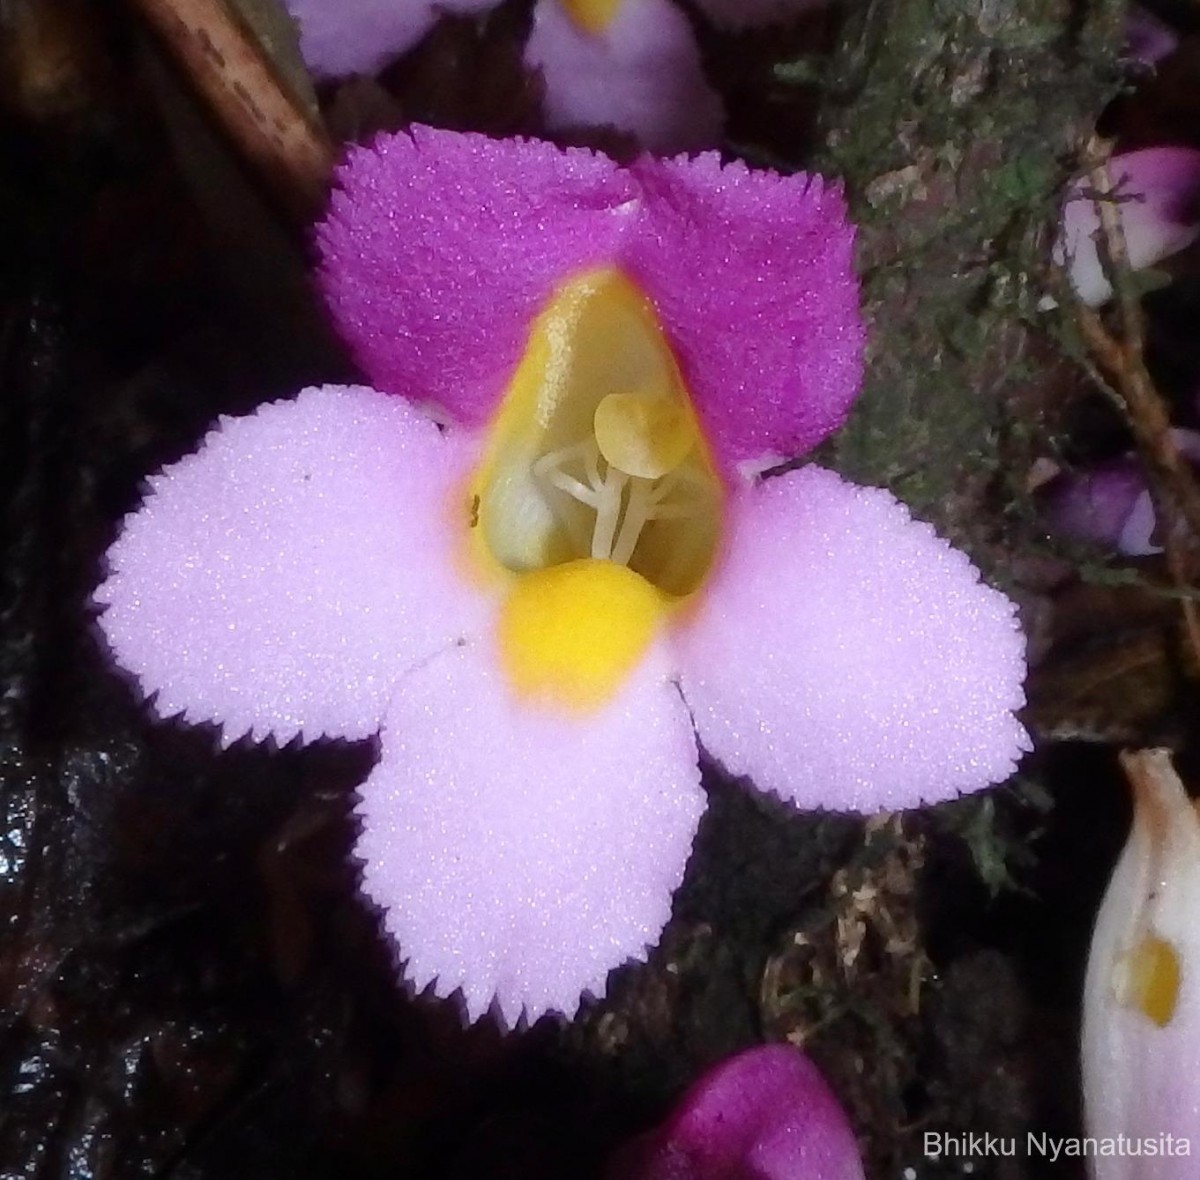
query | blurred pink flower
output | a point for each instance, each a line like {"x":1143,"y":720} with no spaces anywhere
{"x":1157,"y":194}
{"x":541,"y":607}
{"x":1147,"y":38}
{"x":1109,"y":504}
{"x":342,"y":37}
{"x":764,"y":1114}
{"x":629,"y":64}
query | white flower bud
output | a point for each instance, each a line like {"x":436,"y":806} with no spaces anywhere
{"x":1141,"y":1023}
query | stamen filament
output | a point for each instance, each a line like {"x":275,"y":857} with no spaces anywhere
{"x":680,"y":494}
{"x":573,"y":487}
{"x":637,"y":512}
{"x":608,"y":512}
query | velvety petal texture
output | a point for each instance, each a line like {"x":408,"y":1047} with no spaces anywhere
{"x":642,"y":74}
{"x":281,"y":579}
{"x":752,"y":275}
{"x":844,"y":656}
{"x":521,"y":853}
{"x":1157,"y":191}
{"x":439,"y":248}
{"x":765,"y":1114}
{"x":340,"y":37}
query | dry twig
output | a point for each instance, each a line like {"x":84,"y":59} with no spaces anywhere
{"x":237,"y":81}
{"x":1172,"y":485}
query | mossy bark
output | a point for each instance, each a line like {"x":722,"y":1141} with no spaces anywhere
{"x":955,"y":124}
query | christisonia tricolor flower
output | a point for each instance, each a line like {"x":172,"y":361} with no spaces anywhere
{"x":542,"y":599}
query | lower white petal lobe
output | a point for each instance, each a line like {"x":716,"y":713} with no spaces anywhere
{"x":522,"y":852}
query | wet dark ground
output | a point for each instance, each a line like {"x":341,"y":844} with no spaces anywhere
{"x":190,"y":986}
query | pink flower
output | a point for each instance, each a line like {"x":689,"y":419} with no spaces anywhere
{"x":1157,"y":192}
{"x":639,"y":70}
{"x":1147,"y":38}
{"x":341,"y":37}
{"x":765,"y":1114}
{"x":542,"y":607}
{"x":629,"y":64}
{"x":1109,"y":505}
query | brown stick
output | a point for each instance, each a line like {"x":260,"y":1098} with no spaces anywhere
{"x":237,"y":81}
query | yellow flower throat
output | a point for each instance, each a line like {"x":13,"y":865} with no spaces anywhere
{"x":597,"y":500}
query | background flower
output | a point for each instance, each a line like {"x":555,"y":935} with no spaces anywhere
{"x":1157,"y":194}
{"x":763,"y":1114}
{"x":629,"y":64}
{"x":341,"y":37}
{"x":640,"y":72}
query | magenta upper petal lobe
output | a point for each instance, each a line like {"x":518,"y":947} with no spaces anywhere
{"x":844,"y":656}
{"x":752,"y":278}
{"x":439,"y":249}
{"x":283,"y":577}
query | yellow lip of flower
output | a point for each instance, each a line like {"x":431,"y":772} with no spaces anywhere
{"x":597,"y":503}
{"x":592,"y":16}
{"x":569,"y":634}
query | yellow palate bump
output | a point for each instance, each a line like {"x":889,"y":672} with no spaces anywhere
{"x":570,"y":634}
{"x":592,"y":16}
{"x":1151,"y":977}
{"x":643,"y":434}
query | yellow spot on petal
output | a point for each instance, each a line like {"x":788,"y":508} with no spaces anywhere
{"x":1150,"y":977}
{"x":592,"y":16}
{"x":570,"y":634}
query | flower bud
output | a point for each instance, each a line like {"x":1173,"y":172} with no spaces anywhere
{"x":1141,"y":1024}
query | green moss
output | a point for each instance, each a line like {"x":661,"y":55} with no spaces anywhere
{"x":954,"y":156}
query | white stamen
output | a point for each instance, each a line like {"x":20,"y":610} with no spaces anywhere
{"x":623,"y":504}
{"x":637,"y":512}
{"x":608,"y":512}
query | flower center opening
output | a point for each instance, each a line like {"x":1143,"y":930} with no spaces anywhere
{"x":596,"y":496}
{"x":596,"y":452}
